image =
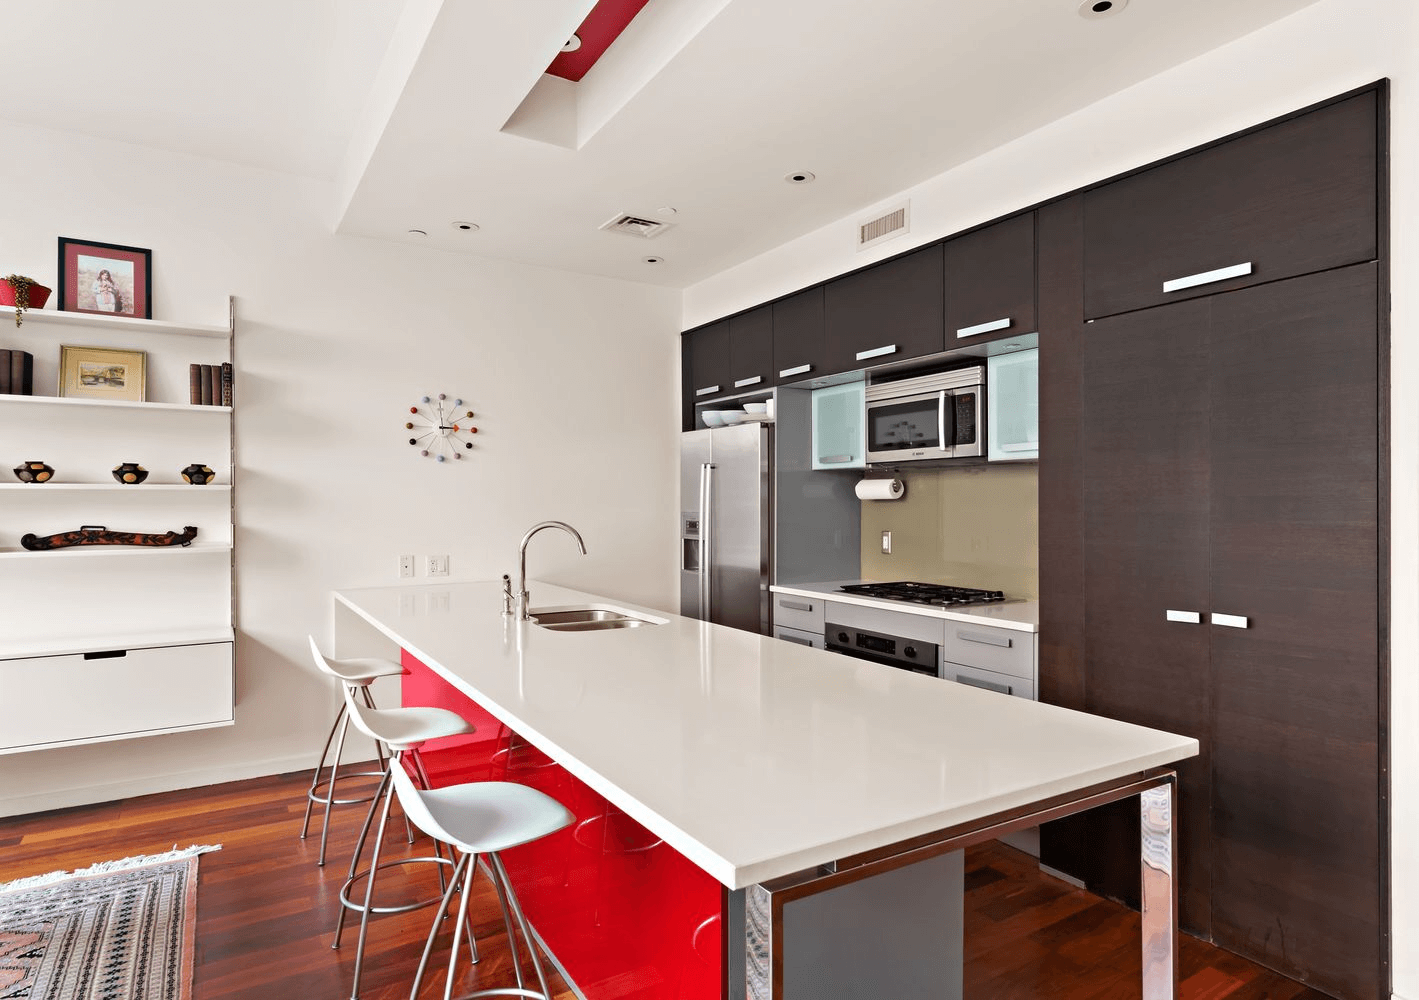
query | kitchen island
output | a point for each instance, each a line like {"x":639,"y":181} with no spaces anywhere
{"x":825,"y":795}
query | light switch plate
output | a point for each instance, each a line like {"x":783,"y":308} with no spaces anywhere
{"x":886,"y":543}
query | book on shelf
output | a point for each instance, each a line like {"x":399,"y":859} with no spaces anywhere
{"x":205,"y":388}
{"x":21,"y":373}
{"x":214,"y":384}
{"x":226,"y":379}
{"x":194,"y":384}
{"x":4,"y":371}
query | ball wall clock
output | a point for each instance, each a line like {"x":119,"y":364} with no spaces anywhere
{"x":439,"y":427}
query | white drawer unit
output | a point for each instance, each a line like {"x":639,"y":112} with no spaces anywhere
{"x":989,"y":680}
{"x":1002,"y":650}
{"x":813,"y":639}
{"x":802,"y":613}
{"x":56,"y":701}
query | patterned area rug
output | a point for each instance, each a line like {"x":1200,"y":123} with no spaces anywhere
{"x":120,"y":930}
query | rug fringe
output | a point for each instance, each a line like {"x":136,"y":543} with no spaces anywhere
{"x":105,"y":867}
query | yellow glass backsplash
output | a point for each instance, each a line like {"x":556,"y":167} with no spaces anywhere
{"x":970,"y":527}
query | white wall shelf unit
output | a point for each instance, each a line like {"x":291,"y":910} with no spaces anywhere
{"x":114,"y":641}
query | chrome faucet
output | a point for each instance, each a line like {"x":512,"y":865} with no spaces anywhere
{"x":522,"y":602}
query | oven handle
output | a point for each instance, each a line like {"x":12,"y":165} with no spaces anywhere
{"x":941,"y":421}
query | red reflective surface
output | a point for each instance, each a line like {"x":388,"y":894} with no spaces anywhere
{"x":626,"y":915}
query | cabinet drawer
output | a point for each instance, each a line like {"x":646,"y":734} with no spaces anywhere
{"x":1003,"y":650}
{"x":1017,"y":687}
{"x":805,"y":613}
{"x":903,"y":623}
{"x":81,"y":698}
{"x":802,"y":638}
{"x":1293,"y":198}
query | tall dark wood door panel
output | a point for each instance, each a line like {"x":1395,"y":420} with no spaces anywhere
{"x":1297,"y":815}
{"x":1145,"y":449}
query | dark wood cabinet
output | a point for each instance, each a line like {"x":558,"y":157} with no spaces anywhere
{"x":708,"y":357}
{"x":798,"y":336}
{"x":1293,"y":198}
{"x":990,"y":282}
{"x":751,"y":350}
{"x":885,"y":313}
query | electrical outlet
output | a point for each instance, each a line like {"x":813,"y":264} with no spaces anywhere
{"x":438,"y":565}
{"x":886,"y":543}
{"x":406,"y":567}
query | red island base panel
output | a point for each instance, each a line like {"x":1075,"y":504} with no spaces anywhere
{"x":627,"y":916}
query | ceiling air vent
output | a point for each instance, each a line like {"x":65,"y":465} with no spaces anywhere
{"x":635,"y":225}
{"x":887,"y":226}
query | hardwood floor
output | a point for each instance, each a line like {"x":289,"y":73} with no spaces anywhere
{"x":266,"y":912}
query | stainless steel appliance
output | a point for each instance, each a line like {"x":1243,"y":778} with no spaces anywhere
{"x":934,"y":594}
{"x":893,"y":650}
{"x":927,"y":418}
{"x":726,"y":535}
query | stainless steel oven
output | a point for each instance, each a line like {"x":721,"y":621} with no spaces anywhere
{"x":893,"y":650}
{"x":927,"y":418}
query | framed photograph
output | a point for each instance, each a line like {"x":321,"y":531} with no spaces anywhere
{"x":105,"y":278}
{"x":103,"y":373}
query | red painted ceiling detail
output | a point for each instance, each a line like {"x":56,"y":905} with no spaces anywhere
{"x":602,"y":27}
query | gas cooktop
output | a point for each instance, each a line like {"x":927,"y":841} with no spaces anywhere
{"x":934,"y":594}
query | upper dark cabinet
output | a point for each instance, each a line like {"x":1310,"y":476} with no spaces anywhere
{"x":798,"y":336}
{"x":751,"y":350}
{"x":990,"y":282}
{"x":707,"y":361}
{"x":1293,"y":198}
{"x":885,"y":313}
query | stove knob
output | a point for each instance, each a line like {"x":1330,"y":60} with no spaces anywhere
{"x":910,"y":651}
{"x":842,"y":637}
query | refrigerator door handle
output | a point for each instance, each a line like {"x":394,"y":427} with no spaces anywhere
{"x":706,"y":536}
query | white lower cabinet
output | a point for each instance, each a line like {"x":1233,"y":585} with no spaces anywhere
{"x":798,"y":635}
{"x":989,"y":680}
{"x":114,"y":694}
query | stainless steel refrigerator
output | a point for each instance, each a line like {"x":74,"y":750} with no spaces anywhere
{"x":726,"y":525}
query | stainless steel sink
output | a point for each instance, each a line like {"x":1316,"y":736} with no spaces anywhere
{"x":589,"y":619}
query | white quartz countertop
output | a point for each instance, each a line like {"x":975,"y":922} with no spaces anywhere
{"x":1022,"y":616}
{"x":753,"y":757}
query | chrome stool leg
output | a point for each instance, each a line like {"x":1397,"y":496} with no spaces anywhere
{"x":315,"y":776}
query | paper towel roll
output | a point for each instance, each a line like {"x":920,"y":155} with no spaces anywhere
{"x":881,"y":489}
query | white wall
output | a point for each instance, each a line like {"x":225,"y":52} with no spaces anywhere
{"x":1328,"y":48}
{"x":336,"y":338}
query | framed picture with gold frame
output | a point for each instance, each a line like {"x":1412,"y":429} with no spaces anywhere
{"x":103,"y":373}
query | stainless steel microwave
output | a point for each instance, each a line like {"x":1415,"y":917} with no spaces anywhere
{"x":927,"y":418}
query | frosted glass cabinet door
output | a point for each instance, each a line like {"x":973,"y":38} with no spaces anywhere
{"x":1013,"y":388}
{"x":839,"y":413}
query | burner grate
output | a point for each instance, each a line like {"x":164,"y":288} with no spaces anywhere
{"x":934,"y":594}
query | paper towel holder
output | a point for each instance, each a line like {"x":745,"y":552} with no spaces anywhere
{"x":880,"y":488}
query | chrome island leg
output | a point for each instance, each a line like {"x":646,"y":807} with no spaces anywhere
{"x":1160,"y":897}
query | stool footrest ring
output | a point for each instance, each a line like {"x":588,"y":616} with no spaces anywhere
{"x":400,"y":908}
{"x":327,"y":800}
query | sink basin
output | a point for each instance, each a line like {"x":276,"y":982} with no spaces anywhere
{"x":589,"y":619}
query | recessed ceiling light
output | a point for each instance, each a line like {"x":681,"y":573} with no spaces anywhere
{"x":467,"y":227}
{"x":800,"y":177}
{"x":572,"y":44}
{"x":1094,"y":9}
{"x":654,"y":260}
{"x":666,"y":210}
{"x":418,"y":233}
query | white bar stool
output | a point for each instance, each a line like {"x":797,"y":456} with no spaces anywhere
{"x":482,"y":817}
{"x":351,"y":673}
{"x":399,"y":730}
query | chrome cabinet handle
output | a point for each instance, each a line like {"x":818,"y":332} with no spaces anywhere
{"x":1207,"y":277}
{"x":986,"y":685}
{"x":985,"y":637}
{"x":979,"y":328}
{"x":795,"y":605}
{"x":1190,"y":617}
{"x":800,"y":370}
{"x":707,"y":390}
{"x":1231,"y":621}
{"x":835,"y":459}
{"x":748,"y":381}
{"x":877,"y":352}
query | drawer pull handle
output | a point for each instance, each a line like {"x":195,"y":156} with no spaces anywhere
{"x":106,"y":654}
{"x":979,"y":328}
{"x":1231,"y":621}
{"x":707,"y":390}
{"x":1207,"y":277}
{"x":976,"y":682}
{"x":985,"y":637}
{"x":835,"y":459}
{"x":877,"y":352}
{"x":800,"y":370}
{"x":794,"y":638}
{"x":748,"y":381}
{"x":1190,"y":617}
{"x":795,"y":605}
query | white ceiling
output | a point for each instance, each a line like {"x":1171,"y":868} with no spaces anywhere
{"x":703,"y":105}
